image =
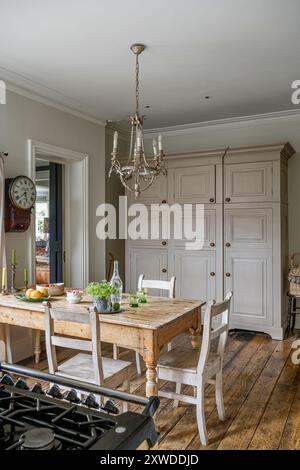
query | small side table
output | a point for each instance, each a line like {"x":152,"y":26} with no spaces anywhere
{"x":292,"y":310}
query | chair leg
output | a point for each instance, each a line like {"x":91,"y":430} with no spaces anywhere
{"x":138,"y":363}
{"x":201,"y":414}
{"x":177,"y":390}
{"x":115,"y":352}
{"x":219,"y":396}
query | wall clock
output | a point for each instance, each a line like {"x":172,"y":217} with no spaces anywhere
{"x":20,"y":196}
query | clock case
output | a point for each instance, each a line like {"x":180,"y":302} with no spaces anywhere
{"x":16,"y":220}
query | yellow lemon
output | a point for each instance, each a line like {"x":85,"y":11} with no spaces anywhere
{"x":43,"y":291}
{"x":28,"y":292}
{"x":35,"y":294}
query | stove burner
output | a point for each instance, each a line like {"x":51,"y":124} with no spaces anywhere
{"x":38,"y":439}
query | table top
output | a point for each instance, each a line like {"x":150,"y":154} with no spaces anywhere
{"x":157,"y":312}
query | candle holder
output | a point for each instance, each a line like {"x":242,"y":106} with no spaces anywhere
{"x":13,"y":289}
{"x":3,"y":291}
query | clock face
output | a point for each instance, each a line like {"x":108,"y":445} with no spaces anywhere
{"x":22,"y":192}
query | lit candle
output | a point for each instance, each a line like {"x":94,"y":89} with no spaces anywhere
{"x":13,"y":256}
{"x":154,"y":147}
{"x":3,"y":277}
{"x":115,"y":146}
{"x":25,"y":276}
{"x":160,"y":142}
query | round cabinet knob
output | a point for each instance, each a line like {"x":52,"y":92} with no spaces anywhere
{"x":212,"y":244}
{"x":227,"y":274}
{"x":211,"y":199}
{"x":164,"y":243}
{"x":228,"y":244}
{"x":227,"y":199}
{"x":164,"y":270}
{"x":164,"y":201}
{"x":212,"y":273}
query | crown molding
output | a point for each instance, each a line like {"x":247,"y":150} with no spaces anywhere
{"x":54,"y":104}
{"x":235,"y":122}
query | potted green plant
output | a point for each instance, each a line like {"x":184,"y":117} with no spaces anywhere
{"x":101,"y":293}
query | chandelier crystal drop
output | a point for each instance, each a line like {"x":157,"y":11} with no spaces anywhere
{"x":138,"y":173}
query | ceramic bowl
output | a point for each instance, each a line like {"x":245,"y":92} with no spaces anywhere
{"x":74,"y":296}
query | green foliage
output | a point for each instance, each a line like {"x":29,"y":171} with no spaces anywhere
{"x":101,"y":290}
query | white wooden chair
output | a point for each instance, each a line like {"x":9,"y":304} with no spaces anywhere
{"x":143,"y":283}
{"x":187,"y":366}
{"x":91,"y":367}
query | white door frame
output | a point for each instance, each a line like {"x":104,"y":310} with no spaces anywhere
{"x":66,"y":157}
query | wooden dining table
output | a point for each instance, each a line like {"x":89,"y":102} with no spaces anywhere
{"x":145,"y":329}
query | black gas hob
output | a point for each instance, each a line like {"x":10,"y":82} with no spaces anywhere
{"x":32,"y":419}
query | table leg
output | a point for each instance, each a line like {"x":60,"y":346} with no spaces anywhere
{"x":3,"y":352}
{"x":37,"y":346}
{"x":151,"y":383}
{"x":8,"y":343}
{"x":150,"y":355}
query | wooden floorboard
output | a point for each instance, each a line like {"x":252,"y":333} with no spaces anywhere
{"x":261,"y":394}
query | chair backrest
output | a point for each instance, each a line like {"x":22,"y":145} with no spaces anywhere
{"x":92,"y":345}
{"x":221,"y":331}
{"x":158,"y":285}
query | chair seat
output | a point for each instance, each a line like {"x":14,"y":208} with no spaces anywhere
{"x":80,"y":367}
{"x":186,"y":360}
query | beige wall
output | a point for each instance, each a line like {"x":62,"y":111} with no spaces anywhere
{"x":21,"y":119}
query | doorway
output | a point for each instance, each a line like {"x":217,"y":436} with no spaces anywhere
{"x":49,"y":222}
{"x":71,"y":229}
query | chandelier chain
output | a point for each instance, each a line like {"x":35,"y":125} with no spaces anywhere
{"x":137,"y":84}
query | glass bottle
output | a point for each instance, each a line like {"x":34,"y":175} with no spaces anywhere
{"x":116,"y":281}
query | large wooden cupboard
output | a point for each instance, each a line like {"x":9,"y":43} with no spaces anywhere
{"x":243,"y":235}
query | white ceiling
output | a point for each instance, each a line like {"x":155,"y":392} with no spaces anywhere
{"x":243,"y":53}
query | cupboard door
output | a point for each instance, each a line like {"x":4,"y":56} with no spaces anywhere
{"x":194,"y":184}
{"x":248,"y":228}
{"x":249,"y":276}
{"x":202,"y":227}
{"x":153,"y":262}
{"x":248,"y":182}
{"x":149,"y":226}
{"x":195,"y":274}
{"x":155,"y":194}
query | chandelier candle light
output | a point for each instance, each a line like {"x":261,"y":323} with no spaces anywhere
{"x":138,"y":174}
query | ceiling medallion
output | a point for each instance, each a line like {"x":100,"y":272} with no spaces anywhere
{"x":138,"y":173}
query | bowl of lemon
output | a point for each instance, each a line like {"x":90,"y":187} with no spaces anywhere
{"x":34,"y":295}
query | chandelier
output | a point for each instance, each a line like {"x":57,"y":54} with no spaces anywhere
{"x":138,"y":173}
